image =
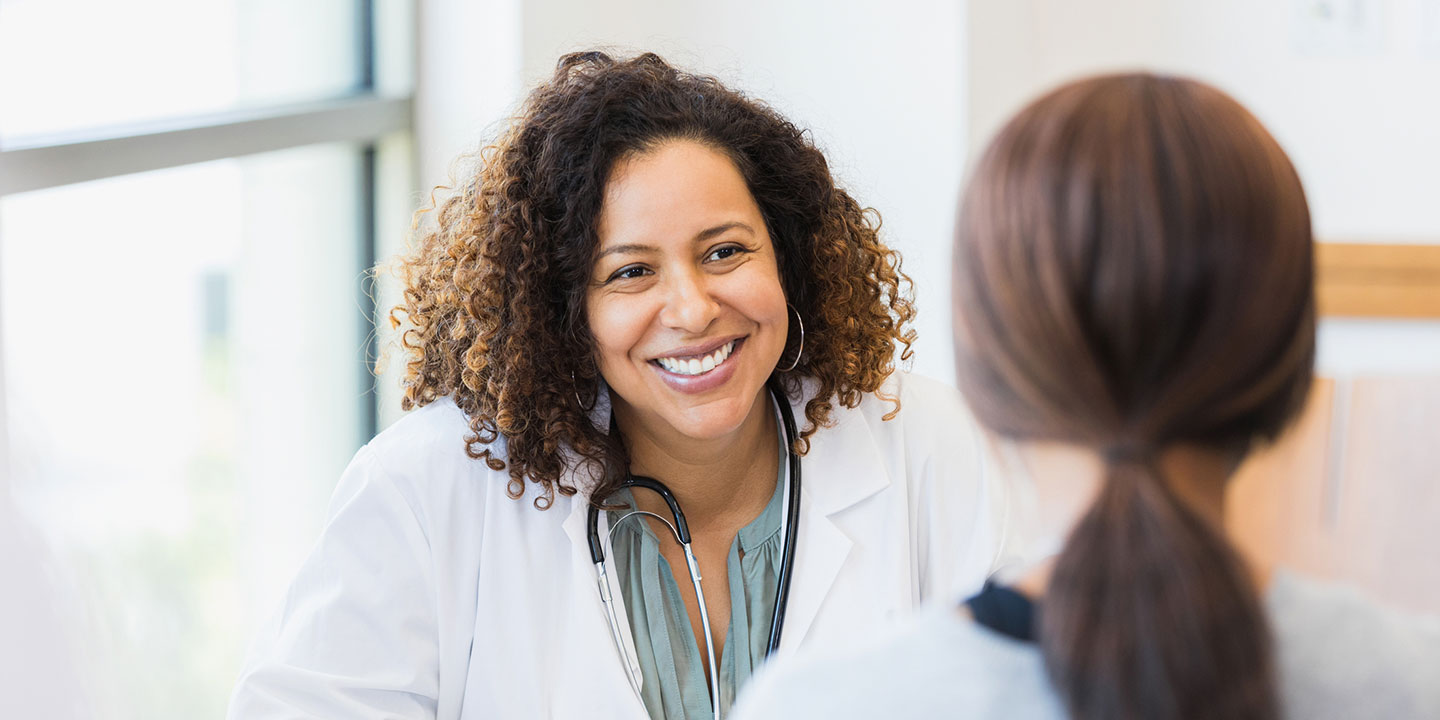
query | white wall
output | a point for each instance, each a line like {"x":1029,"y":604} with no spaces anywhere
{"x":1358,"y":112}
{"x":1360,"y":118}
{"x":879,"y":84}
{"x":467,"y":77}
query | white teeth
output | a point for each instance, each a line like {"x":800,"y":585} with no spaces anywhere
{"x":698,"y":365}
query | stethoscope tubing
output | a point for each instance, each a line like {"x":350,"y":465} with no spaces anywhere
{"x":682,"y":535}
{"x":792,"y":523}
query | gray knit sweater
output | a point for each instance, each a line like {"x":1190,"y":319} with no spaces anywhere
{"x":1341,"y":656}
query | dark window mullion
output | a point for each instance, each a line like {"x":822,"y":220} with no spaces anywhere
{"x":367,"y":300}
{"x":369,"y":397}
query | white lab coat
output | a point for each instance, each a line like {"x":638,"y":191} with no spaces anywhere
{"x":433,"y":595}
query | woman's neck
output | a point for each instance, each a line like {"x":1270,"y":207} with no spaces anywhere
{"x":1067,"y":478}
{"x":720,"y":483}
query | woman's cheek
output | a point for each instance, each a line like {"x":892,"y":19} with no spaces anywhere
{"x":617,"y":322}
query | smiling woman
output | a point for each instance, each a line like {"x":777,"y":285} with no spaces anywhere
{"x":648,"y":278}
{"x":520,"y":247}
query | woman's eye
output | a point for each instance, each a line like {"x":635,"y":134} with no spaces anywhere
{"x":630,"y":272}
{"x":726,"y":252}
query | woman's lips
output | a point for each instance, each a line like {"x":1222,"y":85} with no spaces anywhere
{"x":697,"y":363}
{"x":706,"y":380}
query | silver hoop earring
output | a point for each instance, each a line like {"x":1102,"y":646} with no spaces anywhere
{"x":800,"y":350}
{"x":576,"y":388}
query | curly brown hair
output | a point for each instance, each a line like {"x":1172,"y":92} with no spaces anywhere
{"x":494,"y":289}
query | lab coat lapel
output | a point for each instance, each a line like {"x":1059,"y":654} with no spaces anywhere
{"x":601,"y":662}
{"x":607,"y":662}
{"x":584,"y":569}
{"x":842,"y":468}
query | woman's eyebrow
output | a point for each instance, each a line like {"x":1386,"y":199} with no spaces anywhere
{"x":701,"y":236}
{"x":627,"y":248}
{"x":708,"y":233}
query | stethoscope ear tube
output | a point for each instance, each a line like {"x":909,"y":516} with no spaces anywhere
{"x":792,"y":520}
{"x":592,"y":533}
{"x":682,"y":530}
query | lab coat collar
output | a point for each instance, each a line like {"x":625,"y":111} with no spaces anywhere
{"x":843,"y":467}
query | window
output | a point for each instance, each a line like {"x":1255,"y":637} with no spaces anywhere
{"x":80,"y":64}
{"x":188,"y":208}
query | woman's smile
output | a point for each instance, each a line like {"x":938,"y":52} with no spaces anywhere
{"x":688,"y":362}
{"x":690,"y":372}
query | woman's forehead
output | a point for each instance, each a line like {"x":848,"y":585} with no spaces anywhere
{"x":675,"y":192}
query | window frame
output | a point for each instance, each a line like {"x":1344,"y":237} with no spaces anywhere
{"x":363,"y":116}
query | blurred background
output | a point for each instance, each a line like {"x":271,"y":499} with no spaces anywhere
{"x":192,"y":192}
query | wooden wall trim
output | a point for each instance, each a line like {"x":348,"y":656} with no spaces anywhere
{"x":1371,"y":280}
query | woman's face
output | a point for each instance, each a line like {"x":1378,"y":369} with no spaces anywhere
{"x":684,"y":301}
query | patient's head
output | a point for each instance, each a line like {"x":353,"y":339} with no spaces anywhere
{"x":1133,"y":269}
{"x":1133,"y":274}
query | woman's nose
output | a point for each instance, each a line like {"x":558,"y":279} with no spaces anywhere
{"x":689,"y":304}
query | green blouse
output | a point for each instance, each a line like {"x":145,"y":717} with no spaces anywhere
{"x":671,"y":664}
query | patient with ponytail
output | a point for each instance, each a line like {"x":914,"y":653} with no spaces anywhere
{"x":1134,"y":314}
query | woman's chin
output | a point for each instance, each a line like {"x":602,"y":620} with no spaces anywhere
{"x":710,"y":426}
{"x":713,"y":420}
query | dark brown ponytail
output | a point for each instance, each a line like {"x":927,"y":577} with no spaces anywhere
{"x":1149,"y":613}
{"x":1133,"y":273}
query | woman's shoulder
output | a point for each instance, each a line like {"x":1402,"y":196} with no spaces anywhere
{"x":931,"y":417}
{"x":1344,"y":654}
{"x":923,"y":401}
{"x":424,"y":457}
{"x":912,"y":425}
{"x":436,"y":433}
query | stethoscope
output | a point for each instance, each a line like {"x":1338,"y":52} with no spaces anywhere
{"x":790,"y":522}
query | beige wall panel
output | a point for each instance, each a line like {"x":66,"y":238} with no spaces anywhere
{"x":1389,"y":495}
{"x":1352,"y":491}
